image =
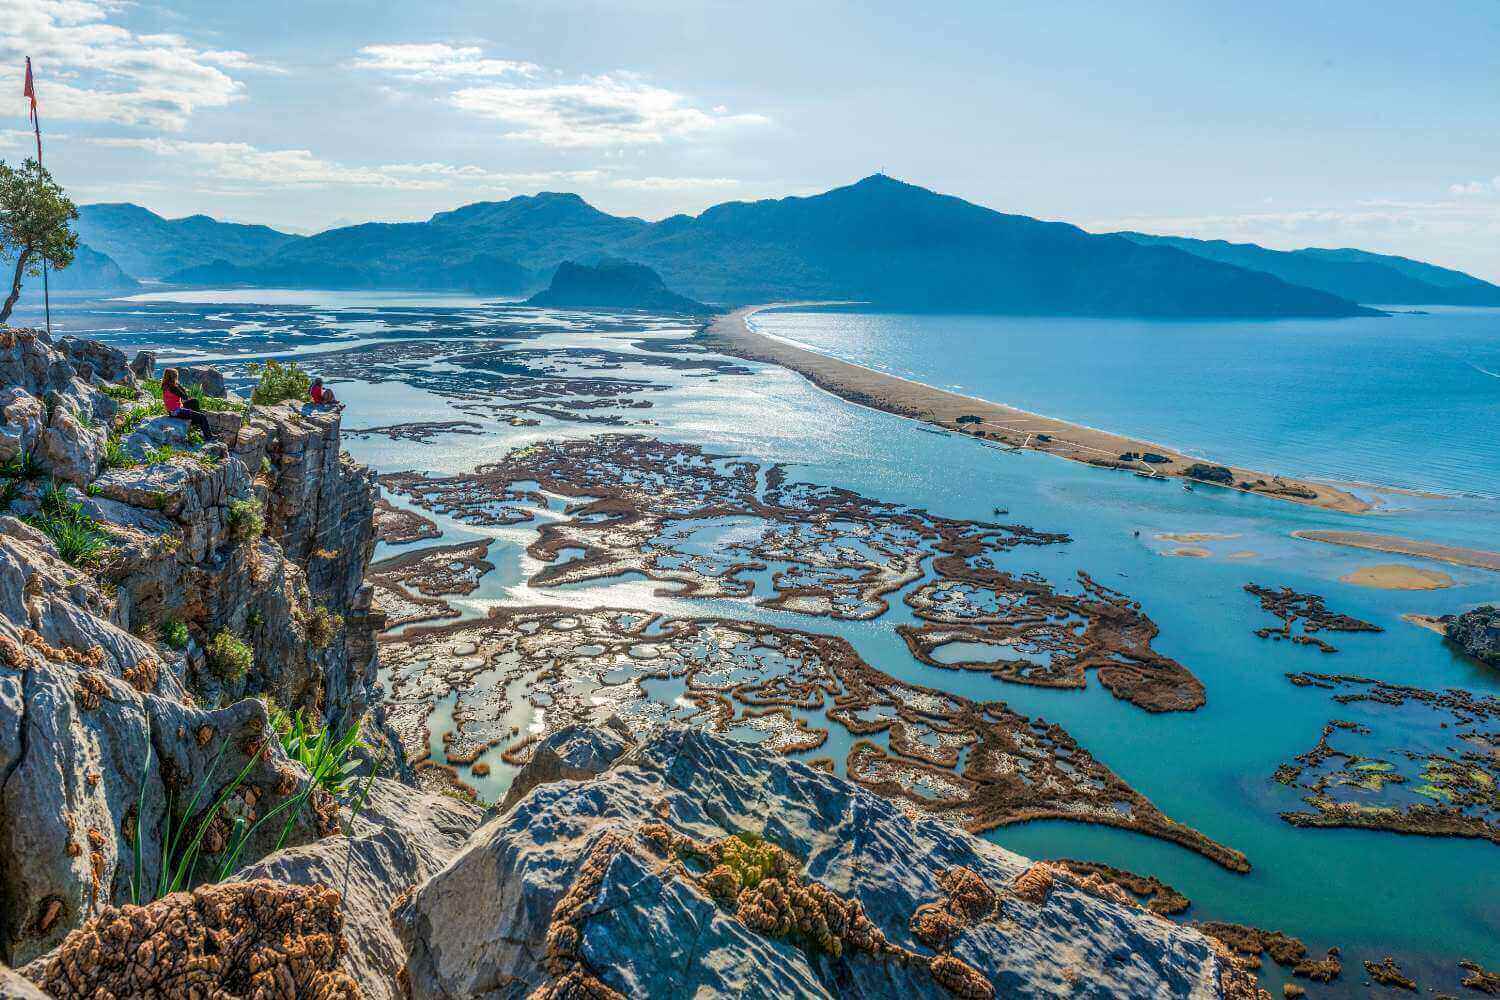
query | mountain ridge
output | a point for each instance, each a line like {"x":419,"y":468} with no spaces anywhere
{"x":881,"y":240}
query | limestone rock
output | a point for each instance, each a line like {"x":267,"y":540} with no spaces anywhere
{"x":480,"y":926}
{"x":211,"y":380}
{"x":400,"y":838}
{"x":574,"y":752}
{"x":1477,"y":633}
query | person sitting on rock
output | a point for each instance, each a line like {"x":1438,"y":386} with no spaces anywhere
{"x":322,"y":396}
{"x":172,"y":399}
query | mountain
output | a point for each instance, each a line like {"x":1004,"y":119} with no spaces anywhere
{"x":146,"y":245}
{"x":489,"y":247}
{"x":881,"y":241}
{"x":613,"y":284}
{"x":91,"y":271}
{"x":901,"y":246}
{"x":1357,"y":275}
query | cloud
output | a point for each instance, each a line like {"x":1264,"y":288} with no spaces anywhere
{"x":542,"y":106}
{"x":438,"y":61}
{"x":262,"y":169}
{"x":89,"y":69}
{"x":610,"y":110}
{"x":672,"y":183}
{"x":1491,"y":186}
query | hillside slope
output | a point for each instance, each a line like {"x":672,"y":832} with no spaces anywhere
{"x":146,"y":245}
{"x":1357,"y":275}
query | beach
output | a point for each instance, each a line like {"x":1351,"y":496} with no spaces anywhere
{"x":1005,"y":426}
{"x":1478,"y":558}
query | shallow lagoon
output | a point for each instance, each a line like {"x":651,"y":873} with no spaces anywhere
{"x":1428,"y":901}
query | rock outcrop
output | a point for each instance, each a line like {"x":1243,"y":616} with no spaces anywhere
{"x":1477,"y":633}
{"x":613,"y":284}
{"x":140,"y":606}
{"x":600,"y":885}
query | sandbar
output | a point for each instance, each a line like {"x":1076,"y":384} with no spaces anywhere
{"x":1397,"y":576}
{"x":1478,"y":558}
{"x":1004,"y":425}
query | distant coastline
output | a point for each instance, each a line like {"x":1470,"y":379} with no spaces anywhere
{"x":997,"y":422}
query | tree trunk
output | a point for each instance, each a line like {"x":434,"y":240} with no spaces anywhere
{"x":15,"y":285}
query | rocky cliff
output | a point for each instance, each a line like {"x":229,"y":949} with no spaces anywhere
{"x":148,"y":585}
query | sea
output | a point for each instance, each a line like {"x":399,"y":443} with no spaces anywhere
{"x":1405,"y":407}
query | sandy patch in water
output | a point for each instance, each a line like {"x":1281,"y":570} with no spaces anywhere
{"x":1397,"y":576}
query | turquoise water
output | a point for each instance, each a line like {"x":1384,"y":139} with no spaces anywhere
{"x":1403,"y":400}
{"x":1428,"y":901}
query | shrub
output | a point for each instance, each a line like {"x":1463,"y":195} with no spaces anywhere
{"x":121,"y":392}
{"x":322,"y":626}
{"x":279,"y":382}
{"x":77,"y":536}
{"x":329,"y":759}
{"x":245,"y":519}
{"x":175,"y":634}
{"x":228,"y":658}
{"x":162,"y":454}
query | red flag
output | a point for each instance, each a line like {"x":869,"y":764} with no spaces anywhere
{"x":30,"y":91}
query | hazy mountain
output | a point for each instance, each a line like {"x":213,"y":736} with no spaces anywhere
{"x":503,"y":247}
{"x":146,"y":245}
{"x":613,"y":284}
{"x":902,"y":246}
{"x":1352,"y":274}
{"x":882,"y":241}
{"x":91,"y":271}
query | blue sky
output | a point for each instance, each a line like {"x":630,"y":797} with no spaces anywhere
{"x":1289,"y":124}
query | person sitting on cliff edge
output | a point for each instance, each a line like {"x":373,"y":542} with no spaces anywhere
{"x":177,"y":406}
{"x":322,"y":396}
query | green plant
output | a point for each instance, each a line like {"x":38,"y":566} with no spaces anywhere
{"x":255,"y":619}
{"x":322,"y":626}
{"x":61,"y":518}
{"x":279,"y":381}
{"x":265,"y":464}
{"x":195,"y":437}
{"x":328,"y":757}
{"x":123,"y":393}
{"x":245,"y":520}
{"x":175,"y":634}
{"x":22,"y":465}
{"x":116,"y":456}
{"x":136,"y":415}
{"x":161,"y":453}
{"x":228,"y":657}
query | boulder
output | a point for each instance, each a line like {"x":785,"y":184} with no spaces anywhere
{"x":1477,"y":633}
{"x":210,"y":380}
{"x":103,"y":361}
{"x":572,"y":753}
{"x":401,"y":837}
{"x":143,"y":365}
{"x":574,"y":882}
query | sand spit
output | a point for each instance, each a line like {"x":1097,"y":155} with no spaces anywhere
{"x":1478,"y":558}
{"x":996,"y":422}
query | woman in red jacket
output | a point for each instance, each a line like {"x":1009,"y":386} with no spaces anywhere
{"x":177,"y":406}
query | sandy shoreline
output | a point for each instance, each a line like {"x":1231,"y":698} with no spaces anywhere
{"x":996,"y":422}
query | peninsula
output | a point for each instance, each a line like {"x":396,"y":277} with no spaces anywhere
{"x":1005,"y":425}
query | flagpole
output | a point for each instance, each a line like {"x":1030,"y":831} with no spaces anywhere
{"x":36,"y":124}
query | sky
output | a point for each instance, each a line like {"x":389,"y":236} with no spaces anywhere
{"x":1284,"y":123}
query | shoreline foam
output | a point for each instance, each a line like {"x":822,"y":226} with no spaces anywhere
{"x":997,"y":422}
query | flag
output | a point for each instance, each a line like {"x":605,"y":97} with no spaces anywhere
{"x":30,"y":92}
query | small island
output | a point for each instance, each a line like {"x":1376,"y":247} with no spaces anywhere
{"x":614,"y":284}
